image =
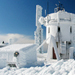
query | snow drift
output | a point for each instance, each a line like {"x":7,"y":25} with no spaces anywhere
{"x":59,"y":68}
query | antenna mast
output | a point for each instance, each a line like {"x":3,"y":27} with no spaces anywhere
{"x":47,"y":8}
{"x":59,"y":7}
{"x":45,"y":12}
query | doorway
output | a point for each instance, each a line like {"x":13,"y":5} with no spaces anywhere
{"x":54,"y":55}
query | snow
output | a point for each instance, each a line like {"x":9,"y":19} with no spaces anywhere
{"x":27,"y":55}
{"x":15,"y":47}
{"x":62,"y":67}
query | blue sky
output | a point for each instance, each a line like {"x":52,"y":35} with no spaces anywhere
{"x":19,"y":16}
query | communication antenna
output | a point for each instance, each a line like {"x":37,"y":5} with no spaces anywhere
{"x":59,"y":6}
{"x":47,"y":8}
{"x":45,"y":12}
{"x":59,"y":1}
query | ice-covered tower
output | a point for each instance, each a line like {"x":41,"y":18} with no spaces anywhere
{"x":60,"y":33}
{"x":39,"y":31}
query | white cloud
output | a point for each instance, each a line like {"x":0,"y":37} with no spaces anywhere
{"x":16,"y":38}
{"x":19,"y":39}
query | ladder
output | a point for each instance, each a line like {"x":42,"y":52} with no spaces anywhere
{"x":63,"y":47}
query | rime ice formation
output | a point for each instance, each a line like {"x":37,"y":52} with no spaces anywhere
{"x":61,"y":26}
{"x":39,"y":31}
{"x":18,"y":55}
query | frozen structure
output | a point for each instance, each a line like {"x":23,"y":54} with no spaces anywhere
{"x":39,"y":31}
{"x":18,"y":55}
{"x":3,"y":44}
{"x":60,"y":34}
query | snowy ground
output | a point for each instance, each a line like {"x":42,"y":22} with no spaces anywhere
{"x":59,"y":68}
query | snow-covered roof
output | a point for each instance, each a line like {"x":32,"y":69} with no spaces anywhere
{"x":16,"y":47}
{"x":2,"y":45}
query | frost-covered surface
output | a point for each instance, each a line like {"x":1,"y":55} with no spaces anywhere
{"x":59,"y":68}
{"x":15,"y":47}
{"x":27,"y":55}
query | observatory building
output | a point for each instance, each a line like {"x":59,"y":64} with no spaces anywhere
{"x":60,"y":34}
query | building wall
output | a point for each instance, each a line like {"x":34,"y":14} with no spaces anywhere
{"x":66,"y":22}
{"x":65,"y":32}
{"x":51,"y":29}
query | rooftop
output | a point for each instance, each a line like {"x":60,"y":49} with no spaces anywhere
{"x":16,"y":47}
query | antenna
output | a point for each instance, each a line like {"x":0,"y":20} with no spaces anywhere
{"x":59,"y":6}
{"x":47,"y":8}
{"x":45,"y":12}
{"x":59,"y":1}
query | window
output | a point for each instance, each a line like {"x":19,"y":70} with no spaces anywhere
{"x":48,"y":29}
{"x":71,"y":29}
{"x":40,"y":31}
{"x":57,"y":44}
{"x":58,"y":29}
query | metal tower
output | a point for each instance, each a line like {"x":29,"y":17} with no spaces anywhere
{"x":39,"y":31}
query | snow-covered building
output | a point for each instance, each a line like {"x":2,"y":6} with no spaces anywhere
{"x":60,"y":34}
{"x":18,"y":55}
{"x":3,"y":44}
